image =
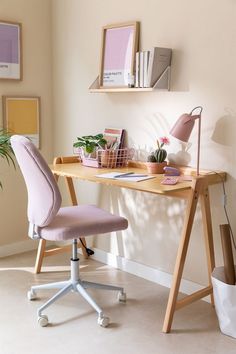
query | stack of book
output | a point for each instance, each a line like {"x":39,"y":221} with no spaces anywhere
{"x":114,"y":137}
{"x":150,"y":65}
{"x":114,"y":154}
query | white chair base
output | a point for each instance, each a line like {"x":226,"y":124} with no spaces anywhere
{"x":75,"y":284}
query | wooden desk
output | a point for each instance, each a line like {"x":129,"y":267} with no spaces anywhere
{"x":192,"y":191}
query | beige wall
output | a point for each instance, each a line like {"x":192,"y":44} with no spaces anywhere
{"x":35,"y":16}
{"x":202,"y":35}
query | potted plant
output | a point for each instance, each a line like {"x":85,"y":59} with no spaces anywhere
{"x":88,"y":145}
{"x":6,"y":151}
{"x":156,"y":160}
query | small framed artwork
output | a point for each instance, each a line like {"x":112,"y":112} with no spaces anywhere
{"x":21,"y":115}
{"x":119,"y":46}
{"x":10,"y":51}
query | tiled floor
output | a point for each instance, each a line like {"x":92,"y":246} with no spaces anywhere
{"x":135,"y":326}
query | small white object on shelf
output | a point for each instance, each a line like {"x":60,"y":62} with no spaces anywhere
{"x":137,"y":70}
{"x":141,"y":69}
{"x":146,"y":56}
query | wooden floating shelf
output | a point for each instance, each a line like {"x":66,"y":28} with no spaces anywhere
{"x":163,"y":83}
{"x":121,"y":89}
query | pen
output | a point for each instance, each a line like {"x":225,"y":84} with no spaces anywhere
{"x":131,"y":175}
{"x":123,"y":175}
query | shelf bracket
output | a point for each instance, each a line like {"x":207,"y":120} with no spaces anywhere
{"x":163,"y":83}
{"x":95,"y":84}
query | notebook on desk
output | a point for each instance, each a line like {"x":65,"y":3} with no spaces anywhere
{"x":125,"y":176}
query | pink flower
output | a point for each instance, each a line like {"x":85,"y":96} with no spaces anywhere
{"x":164,"y":140}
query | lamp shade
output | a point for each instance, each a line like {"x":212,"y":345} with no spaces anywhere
{"x":183,"y":127}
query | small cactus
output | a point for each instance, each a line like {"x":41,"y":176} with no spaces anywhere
{"x":152,"y":158}
{"x":159,"y":155}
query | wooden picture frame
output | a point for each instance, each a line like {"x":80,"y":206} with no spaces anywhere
{"x":21,"y":115}
{"x":10,"y":50}
{"x":119,"y":46}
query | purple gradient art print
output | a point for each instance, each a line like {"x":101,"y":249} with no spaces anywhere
{"x":9,"y":41}
{"x":9,"y":51}
{"x":118,"y":48}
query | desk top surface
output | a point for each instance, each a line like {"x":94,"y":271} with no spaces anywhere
{"x":77,"y":170}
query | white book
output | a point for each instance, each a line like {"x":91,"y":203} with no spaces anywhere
{"x":145,"y":68}
{"x":141,"y":67}
{"x":159,"y":60}
{"x":137,"y":70}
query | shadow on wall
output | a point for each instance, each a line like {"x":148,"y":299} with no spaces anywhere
{"x":156,"y":126}
{"x":152,"y":220}
{"x":224,"y":135}
{"x":225,"y":128}
{"x":179,"y":71}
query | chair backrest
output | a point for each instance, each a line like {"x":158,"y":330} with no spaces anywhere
{"x":44,"y":198}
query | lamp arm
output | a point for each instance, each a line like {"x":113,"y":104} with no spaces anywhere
{"x":198,"y":107}
{"x":198,"y":143}
{"x":196,"y":116}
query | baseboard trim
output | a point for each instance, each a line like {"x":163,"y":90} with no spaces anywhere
{"x":18,"y":247}
{"x":144,"y":271}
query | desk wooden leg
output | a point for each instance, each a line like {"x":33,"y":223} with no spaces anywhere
{"x":40,"y":255}
{"x":71,"y":190}
{"x":181,"y":254}
{"x":208,"y":234}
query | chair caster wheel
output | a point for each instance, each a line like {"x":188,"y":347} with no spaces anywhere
{"x":103,"y":321}
{"x":31,"y":295}
{"x":122,"y":297}
{"x":43,"y":320}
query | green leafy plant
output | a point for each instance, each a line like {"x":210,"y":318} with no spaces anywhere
{"x":160,"y":154}
{"x":6,"y":151}
{"x":89,"y":143}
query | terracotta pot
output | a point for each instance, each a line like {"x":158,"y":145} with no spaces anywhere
{"x":156,"y":167}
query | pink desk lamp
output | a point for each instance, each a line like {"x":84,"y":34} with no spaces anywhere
{"x":184,"y":126}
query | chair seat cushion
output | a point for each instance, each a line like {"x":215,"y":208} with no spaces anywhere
{"x":82,"y":220}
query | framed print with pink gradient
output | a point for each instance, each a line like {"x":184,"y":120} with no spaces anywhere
{"x":119,"y":46}
{"x":10,"y":51}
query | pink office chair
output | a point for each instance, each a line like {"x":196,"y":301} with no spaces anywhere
{"x":49,"y":221}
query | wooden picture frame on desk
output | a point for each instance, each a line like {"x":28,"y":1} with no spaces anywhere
{"x":119,"y":46}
